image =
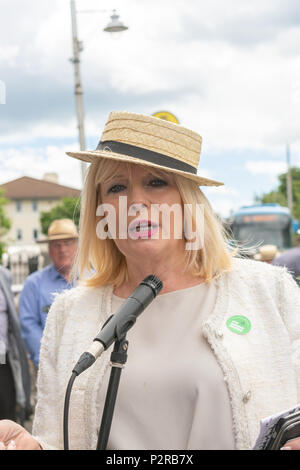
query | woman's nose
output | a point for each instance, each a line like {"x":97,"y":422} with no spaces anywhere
{"x":137,"y":207}
{"x":137,"y":199}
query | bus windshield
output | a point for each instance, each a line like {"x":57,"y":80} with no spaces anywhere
{"x":251,"y":230}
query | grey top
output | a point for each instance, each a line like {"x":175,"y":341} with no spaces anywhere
{"x":3,"y":324}
{"x":172,"y":393}
{"x":17,"y":355}
{"x":291,"y":260}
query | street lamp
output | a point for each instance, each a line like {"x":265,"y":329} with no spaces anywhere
{"x":115,"y":25}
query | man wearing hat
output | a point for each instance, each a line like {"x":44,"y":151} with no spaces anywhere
{"x":41,"y":286}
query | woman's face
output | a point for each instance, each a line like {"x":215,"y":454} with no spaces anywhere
{"x":148,"y":208}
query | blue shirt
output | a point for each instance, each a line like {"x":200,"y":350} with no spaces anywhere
{"x":35,"y":300}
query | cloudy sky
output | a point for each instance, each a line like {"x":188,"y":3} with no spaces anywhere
{"x":228,"y":70}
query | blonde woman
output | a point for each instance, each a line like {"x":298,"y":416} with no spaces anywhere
{"x":219,"y":347}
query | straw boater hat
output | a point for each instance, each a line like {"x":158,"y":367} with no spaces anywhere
{"x":60,"y":229}
{"x":149,"y":141}
{"x":267,"y":253}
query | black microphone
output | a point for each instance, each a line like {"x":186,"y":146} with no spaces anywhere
{"x":118,"y":324}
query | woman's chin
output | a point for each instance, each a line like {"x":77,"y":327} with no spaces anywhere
{"x":142,"y":246}
{"x":152,"y":243}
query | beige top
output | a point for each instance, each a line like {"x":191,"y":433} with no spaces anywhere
{"x":172,"y":393}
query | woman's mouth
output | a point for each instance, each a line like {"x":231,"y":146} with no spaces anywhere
{"x":142,"y":229}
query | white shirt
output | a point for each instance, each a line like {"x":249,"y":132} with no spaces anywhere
{"x":172,"y":393}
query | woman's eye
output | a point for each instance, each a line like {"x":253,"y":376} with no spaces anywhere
{"x":116,"y":188}
{"x":157,"y":182}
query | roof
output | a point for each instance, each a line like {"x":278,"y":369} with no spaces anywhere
{"x":263,"y":209}
{"x":32,"y":188}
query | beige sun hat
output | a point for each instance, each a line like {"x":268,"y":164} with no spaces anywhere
{"x":266,"y":253}
{"x":60,"y":229}
{"x":150,"y":141}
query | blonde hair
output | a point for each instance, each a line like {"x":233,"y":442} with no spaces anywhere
{"x":99,"y":262}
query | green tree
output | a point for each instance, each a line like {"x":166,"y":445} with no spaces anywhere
{"x":68,"y":209}
{"x":279,"y":195}
{"x":5,"y":222}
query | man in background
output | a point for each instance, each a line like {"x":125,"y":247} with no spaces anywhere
{"x":291,"y":260}
{"x":267,"y":253}
{"x":41,"y":287}
{"x":14,"y":368}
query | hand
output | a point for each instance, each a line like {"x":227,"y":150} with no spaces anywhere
{"x":293,"y":444}
{"x":14,"y":437}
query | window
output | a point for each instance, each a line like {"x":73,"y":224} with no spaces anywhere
{"x":35,"y":234}
{"x":19,"y":234}
{"x":34,"y":205}
{"x":18,"y":206}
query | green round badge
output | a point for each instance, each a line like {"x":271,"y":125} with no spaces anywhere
{"x":239,"y":324}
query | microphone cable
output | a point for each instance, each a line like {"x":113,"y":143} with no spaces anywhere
{"x":66,"y":410}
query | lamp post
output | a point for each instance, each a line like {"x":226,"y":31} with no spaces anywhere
{"x":114,"y":26}
{"x":289,"y":179}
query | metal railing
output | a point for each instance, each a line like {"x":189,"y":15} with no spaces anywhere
{"x":21,"y":264}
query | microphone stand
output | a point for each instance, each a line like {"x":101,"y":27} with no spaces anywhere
{"x":121,"y":322}
{"x":118,"y":359}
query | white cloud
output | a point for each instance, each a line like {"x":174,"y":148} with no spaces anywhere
{"x":14,"y":164}
{"x":224,"y":205}
{"x":204,"y":173}
{"x":223,"y":199}
{"x":232,"y":94}
{"x":228,"y":70}
{"x":9,"y":55}
{"x":270,"y":168}
{"x":221,"y":191}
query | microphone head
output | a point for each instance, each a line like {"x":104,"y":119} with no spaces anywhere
{"x":154,"y":282}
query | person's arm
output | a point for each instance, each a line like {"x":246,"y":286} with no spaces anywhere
{"x":31,"y":327}
{"x":47,"y":424}
{"x":289,"y":301}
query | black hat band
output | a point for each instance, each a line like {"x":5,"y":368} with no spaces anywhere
{"x":146,"y":155}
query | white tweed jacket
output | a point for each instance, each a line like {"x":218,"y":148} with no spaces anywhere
{"x":261,"y":368}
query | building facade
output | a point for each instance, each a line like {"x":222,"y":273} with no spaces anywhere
{"x":27,"y":199}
